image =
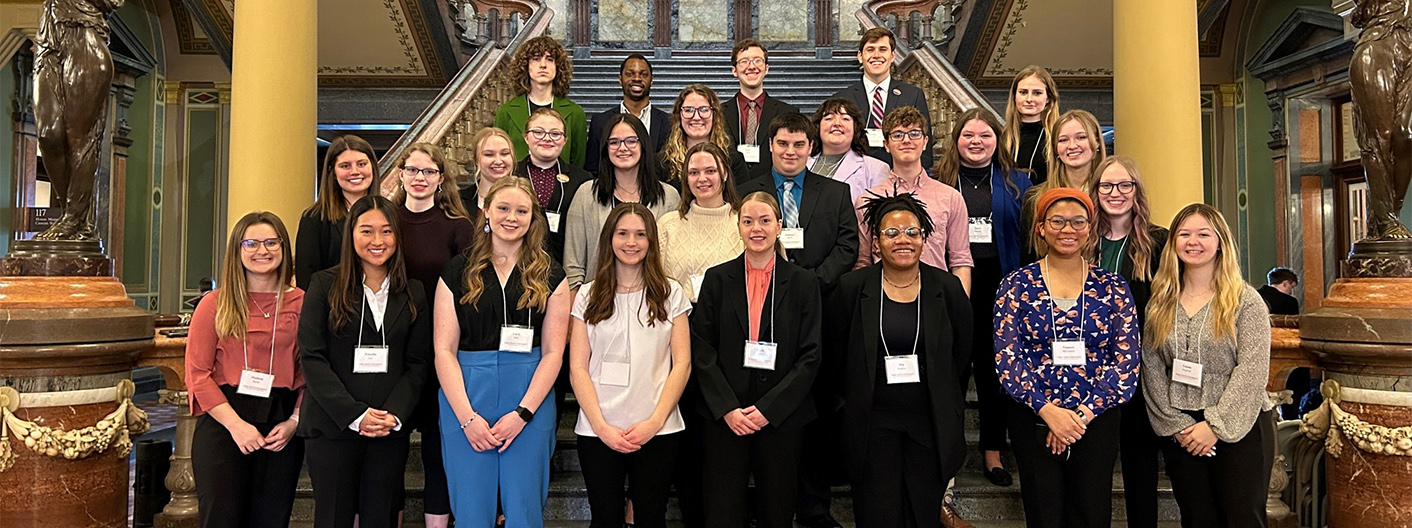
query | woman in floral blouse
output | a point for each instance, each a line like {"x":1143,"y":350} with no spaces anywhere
{"x":1067,"y":351}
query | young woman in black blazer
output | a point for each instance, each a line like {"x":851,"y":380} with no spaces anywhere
{"x":755,"y":348}
{"x":350,"y":172}
{"x":902,"y":382}
{"x":365,"y":346}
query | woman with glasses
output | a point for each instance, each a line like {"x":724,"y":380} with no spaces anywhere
{"x":695,"y":121}
{"x":902,"y":382}
{"x":540,"y":73}
{"x":1126,"y":242}
{"x":435,"y":227}
{"x":349,"y":173}
{"x":494,"y":158}
{"x":843,"y":153}
{"x":1032,"y":109}
{"x":244,"y":382}
{"x":624,"y":175}
{"x":1067,"y":352}
{"x":554,"y":181}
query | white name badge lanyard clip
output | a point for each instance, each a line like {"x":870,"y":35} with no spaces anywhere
{"x":616,"y":368}
{"x":1186,"y":372}
{"x":370,"y":359}
{"x":552,"y":213}
{"x":903,"y":368}
{"x":1066,"y":352}
{"x":515,"y":338}
{"x":761,"y":354}
{"x":253,"y":382}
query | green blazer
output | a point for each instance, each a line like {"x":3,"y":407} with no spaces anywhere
{"x":512,"y":115}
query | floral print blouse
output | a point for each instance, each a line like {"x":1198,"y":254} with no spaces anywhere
{"x":1027,"y":321}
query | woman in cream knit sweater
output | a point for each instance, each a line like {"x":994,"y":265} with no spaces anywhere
{"x":702,"y":233}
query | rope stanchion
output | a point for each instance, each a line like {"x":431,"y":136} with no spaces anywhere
{"x":113,"y":431}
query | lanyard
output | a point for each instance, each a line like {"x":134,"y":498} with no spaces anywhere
{"x":1118,"y":258}
{"x":772,"y":297}
{"x":1037,"y":144}
{"x":244,"y":344}
{"x":1054,"y":319}
{"x":558,"y":166}
{"x":382,"y":330}
{"x":1195,"y":333}
{"x":917,"y":337}
{"x":529,"y":319}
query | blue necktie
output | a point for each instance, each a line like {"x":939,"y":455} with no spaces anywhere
{"x":791,"y":208}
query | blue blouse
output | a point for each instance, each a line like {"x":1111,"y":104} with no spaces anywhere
{"x":1026,"y":323}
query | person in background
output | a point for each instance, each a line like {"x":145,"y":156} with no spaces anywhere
{"x":843,"y":150}
{"x":244,"y":382}
{"x":1207,"y":360}
{"x":749,"y":113}
{"x":635,"y":76}
{"x":1033,"y":108}
{"x":349,"y":173}
{"x":1278,"y":291}
{"x":553,"y":180}
{"x":494,"y":160}
{"x":879,"y":94}
{"x":540,"y":73}
{"x":695,"y":121}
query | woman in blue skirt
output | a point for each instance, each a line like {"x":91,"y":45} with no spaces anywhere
{"x":501,"y":321}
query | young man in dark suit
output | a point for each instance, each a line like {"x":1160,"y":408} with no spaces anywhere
{"x":752,"y":110}
{"x":878,"y":93}
{"x":635,"y":76}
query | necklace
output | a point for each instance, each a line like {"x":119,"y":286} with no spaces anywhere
{"x":914,"y":280}
{"x":629,"y":288}
{"x":260,"y":308}
{"x":827,"y":169}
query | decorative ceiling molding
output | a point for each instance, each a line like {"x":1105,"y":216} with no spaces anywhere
{"x":188,"y":41}
{"x":217,"y":20}
{"x":1213,"y":34}
{"x":992,"y":54}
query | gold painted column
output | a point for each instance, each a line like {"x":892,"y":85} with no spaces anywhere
{"x":274,"y":94}
{"x":1157,"y":101}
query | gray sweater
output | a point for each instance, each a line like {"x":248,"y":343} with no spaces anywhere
{"x":1233,"y":374}
{"x":585,"y":220}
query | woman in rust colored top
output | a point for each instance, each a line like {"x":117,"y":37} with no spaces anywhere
{"x":242,"y":372}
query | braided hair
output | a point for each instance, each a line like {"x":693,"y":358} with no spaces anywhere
{"x":877,"y":206}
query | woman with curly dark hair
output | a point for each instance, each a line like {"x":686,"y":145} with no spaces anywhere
{"x":540,"y":73}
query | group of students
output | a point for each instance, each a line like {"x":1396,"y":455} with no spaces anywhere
{"x":744,"y":294}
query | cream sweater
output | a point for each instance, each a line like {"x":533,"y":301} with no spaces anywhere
{"x":693,"y":243}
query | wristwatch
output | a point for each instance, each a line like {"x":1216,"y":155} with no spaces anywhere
{"x":525,"y":414}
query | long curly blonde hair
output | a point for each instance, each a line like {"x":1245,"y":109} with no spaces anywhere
{"x":674,"y":150}
{"x":533,"y":261}
{"x":1142,"y":246}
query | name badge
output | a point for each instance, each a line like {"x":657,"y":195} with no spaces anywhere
{"x":1186,"y":372}
{"x":751,"y":153}
{"x":553,"y":218}
{"x":370,"y":360}
{"x":902,"y":369}
{"x":875,"y":137}
{"x":760,"y":355}
{"x":257,"y":384}
{"x":980,"y":230}
{"x":516,"y":338}
{"x":696,"y":284}
{"x":1069,"y":352}
{"x":614,"y":374}
{"x":792,"y":238}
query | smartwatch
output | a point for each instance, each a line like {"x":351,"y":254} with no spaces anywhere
{"x":525,"y":414}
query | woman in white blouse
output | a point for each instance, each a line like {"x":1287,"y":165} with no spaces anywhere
{"x":630,"y":357}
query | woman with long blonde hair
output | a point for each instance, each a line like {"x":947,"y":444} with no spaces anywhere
{"x":494,"y":160}
{"x":1032,"y":108}
{"x":1075,"y":149}
{"x":1208,"y":352}
{"x":696,"y":118}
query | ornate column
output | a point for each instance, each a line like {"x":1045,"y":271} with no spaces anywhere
{"x":124,"y":93}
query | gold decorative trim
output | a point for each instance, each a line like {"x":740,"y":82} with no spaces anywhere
{"x":415,"y":61}
{"x":173,"y":90}
{"x":114,"y":430}
{"x":1331,"y":424}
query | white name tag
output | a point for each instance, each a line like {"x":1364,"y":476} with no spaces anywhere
{"x":515,"y":338}
{"x":760,"y":355}
{"x":553,"y":218}
{"x":1186,"y":372}
{"x":257,"y":384}
{"x":751,"y":153}
{"x":792,"y":237}
{"x":902,"y":369}
{"x":1069,"y":352}
{"x":614,"y":374}
{"x":696,"y":284}
{"x":875,"y":137}
{"x":370,"y":360}
{"x":980,"y":230}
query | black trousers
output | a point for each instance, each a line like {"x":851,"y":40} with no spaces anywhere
{"x":687,"y":477}
{"x":771,"y":455}
{"x":605,"y":473}
{"x":1139,"y":447}
{"x":903,"y":484}
{"x":1066,"y":491}
{"x":1226,"y":490}
{"x":819,"y":467}
{"x":427,"y":418}
{"x":239,"y":491}
{"x":360,"y":478}
{"x":994,"y":402}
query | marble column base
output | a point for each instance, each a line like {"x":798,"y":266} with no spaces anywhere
{"x":32,"y":258}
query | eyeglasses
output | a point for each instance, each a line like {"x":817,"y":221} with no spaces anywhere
{"x":893,"y":232}
{"x":751,"y":61}
{"x":697,"y":111}
{"x":1122,"y":187}
{"x":250,"y":245}
{"x":913,"y":134}
{"x":414,"y":172}
{"x":553,"y":135}
{"x":1057,"y":223}
{"x":629,"y":143}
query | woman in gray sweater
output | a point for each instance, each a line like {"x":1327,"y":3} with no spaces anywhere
{"x":1207,"y":356}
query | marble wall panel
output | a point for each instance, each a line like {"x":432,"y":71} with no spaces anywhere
{"x":784,"y":21}
{"x":622,"y":21}
{"x":703,"y":21}
{"x":849,"y":29}
{"x":558,"y":26}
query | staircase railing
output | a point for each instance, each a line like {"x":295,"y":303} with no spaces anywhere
{"x":468,"y":102}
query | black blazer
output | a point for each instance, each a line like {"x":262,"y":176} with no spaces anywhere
{"x":316,"y":248}
{"x":559,"y":201}
{"x":901,"y":94}
{"x":1142,"y":290}
{"x":829,"y":221}
{"x":771,"y":109}
{"x":334,"y":395}
{"x":720,"y":326}
{"x":658,"y":131}
{"x":945,"y":350}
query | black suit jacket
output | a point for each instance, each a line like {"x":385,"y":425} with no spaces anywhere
{"x":660,"y":121}
{"x":900,"y":94}
{"x":316,"y":248}
{"x":720,"y":326}
{"x":851,"y":360}
{"x":558,"y":201}
{"x":772,"y":108}
{"x":334,"y":395}
{"x":1279,"y":302}
{"x":829,"y":222}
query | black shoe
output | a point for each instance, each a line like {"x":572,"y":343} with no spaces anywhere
{"x":819,"y":521}
{"x":998,"y":476}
